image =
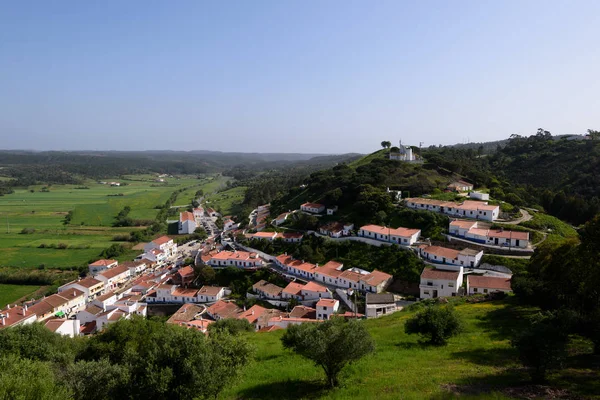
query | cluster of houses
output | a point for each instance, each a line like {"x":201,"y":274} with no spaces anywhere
{"x":467,"y":209}
{"x":261,"y":219}
{"x":332,"y":274}
{"x":471,"y":230}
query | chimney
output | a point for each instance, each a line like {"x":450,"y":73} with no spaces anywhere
{"x":7,"y":315}
{"x":252,"y":312}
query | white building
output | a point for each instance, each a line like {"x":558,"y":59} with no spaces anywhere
{"x":315,"y":291}
{"x":163,"y":243}
{"x":442,"y":255}
{"x":437,"y":282}
{"x":487,"y":284}
{"x":467,"y":209}
{"x":332,"y":210}
{"x":496,"y":237}
{"x":314,"y":208}
{"x":402,"y":236}
{"x":405,"y":153}
{"x":156,"y":256}
{"x":460,"y":186}
{"x":236,"y":259}
{"x":89,"y":286}
{"x":281,"y":218}
{"x":62,"y":326}
{"x":102,"y":265}
{"x":326,"y":308}
{"x":377,"y":305}
{"x":187,"y":223}
{"x":113,"y":277}
{"x":479,"y":196}
{"x":208,"y":294}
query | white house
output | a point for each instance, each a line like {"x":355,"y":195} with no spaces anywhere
{"x":487,"y":284}
{"x":314,"y":208}
{"x":442,"y":255}
{"x":290,"y":237}
{"x":267,"y":290}
{"x":269,"y":236}
{"x":377,"y":305}
{"x":375,"y":282}
{"x":62,"y":326}
{"x":235,"y":258}
{"x":460,"y":228}
{"x":313,"y":290}
{"x":437,"y":282}
{"x":281,"y":218}
{"x":497,"y":237}
{"x":332,"y":210}
{"x":102,"y":265}
{"x":479,"y":196}
{"x":402,"y":236}
{"x":113,"y":277}
{"x":89,"y":286}
{"x":136,"y":267}
{"x":187,"y":223}
{"x":212,"y":212}
{"x":405,"y":153}
{"x":326,"y":308}
{"x":292,"y":291}
{"x":229,"y":224}
{"x":15,"y":316}
{"x":208,"y":294}
{"x":156,"y":256}
{"x":460,"y":186}
{"x":467,"y":209}
{"x":332,"y":229}
{"x":163,"y":243}
{"x":198,"y":212}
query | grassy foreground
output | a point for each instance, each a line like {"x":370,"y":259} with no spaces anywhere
{"x":479,"y":363}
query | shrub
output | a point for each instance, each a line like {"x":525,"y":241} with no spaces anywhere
{"x":435,"y":323}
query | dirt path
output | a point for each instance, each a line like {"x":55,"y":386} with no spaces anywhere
{"x":526,"y":216}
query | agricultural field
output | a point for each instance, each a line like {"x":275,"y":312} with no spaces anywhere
{"x":41,"y":213}
{"x":228,"y":201}
{"x":478,"y":364}
{"x":11,"y":293}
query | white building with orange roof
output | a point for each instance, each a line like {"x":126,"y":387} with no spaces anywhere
{"x":208,"y":294}
{"x":487,"y":284}
{"x":467,"y":209}
{"x":281,"y":218}
{"x":461,"y":227}
{"x":223,"y":309}
{"x":437,"y":282}
{"x":495,"y":237}
{"x":241,"y":259}
{"x":102,"y":265}
{"x":442,"y":255}
{"x":268,"y":236}
{"x":313,"y":291}
{"x":313,"y":208}
{"x":187,"y":223}
{"x":375,"y":281}
{"x":292,"y":291}
{"x":401,"y":236}
{"x":63,"y":326}
{"x":284,"y":322}
{"x":326,"y":308}
{"x":89,"y":286}
{"x":163,"y":243}
{"x":113,"y":277}
{"x":15,"y":316}
{"x":290,"y":237}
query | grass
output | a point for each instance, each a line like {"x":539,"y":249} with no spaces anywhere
{"x":545,"y":222}
{"x":368,"y":158}
{"x":480,"y":362}
{"x":228,"y":201}
{"x":93,"y":209}
{"x":11,"y":293}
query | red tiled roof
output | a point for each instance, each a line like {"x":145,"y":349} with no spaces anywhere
{"x":303,"y":312}
{"x":186,"y":271}
{"x":293,"y":288}
{"x":376,"y":278}
{"x":266,"y":287}
{"x":161,"y":240}
{"x":463,"y":224}
{"x":252,"y":314}
{"x":312,"y":205}
{"x":102,"y":263}
{"x":186,"y":216}
{"x":489,"y":282}
{"x":185,"y":292}
{"x":443,"y":252}
{"x":210,"y":290}
{"x":314,"y":287}
{"x":327,"y":303}
{"x":224,"y":309}
{"x":429,"y":273}
{"x":504,"y":234}
{"x":382,"y":230}
{"x":111,"y":273}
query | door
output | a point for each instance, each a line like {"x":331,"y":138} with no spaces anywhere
{"x":496,"y":241}
{"x":435,"y":294}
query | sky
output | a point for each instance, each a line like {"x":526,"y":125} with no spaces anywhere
{"x":293,"y":76}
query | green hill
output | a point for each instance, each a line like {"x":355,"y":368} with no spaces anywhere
{"x":480,"y":362}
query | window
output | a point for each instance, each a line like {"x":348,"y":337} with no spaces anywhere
{"x":484,"y":290}
{"x":450,"y":284}
{"x":474,"y":290}
{"x":426,"y":292}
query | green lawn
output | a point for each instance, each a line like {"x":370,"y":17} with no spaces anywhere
{"x":480,"y":362}
{"x":94,"y":210}
{"x":10,"y":293}
{"x":228,"y":201}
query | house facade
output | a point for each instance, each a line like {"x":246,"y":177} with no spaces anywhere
{"x":113,"y":277}
{"x":163,"y":243}
{"x":313,"y":208}
{"x":401,"y":236}
{"x":101,"y":265}
{"x":326,"y":308}
{"x":497,"y":237}
{"x":241,"y":259}
{"x":436,"y":282}
{"x":187,"y":223}
{"x":487,"y":284}
{"x":442,"y":255}
{"x":467,"y":209}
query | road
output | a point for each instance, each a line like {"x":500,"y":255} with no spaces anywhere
{"x":526,"y":216}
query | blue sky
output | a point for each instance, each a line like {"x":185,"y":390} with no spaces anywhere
{"x":293,"y":76}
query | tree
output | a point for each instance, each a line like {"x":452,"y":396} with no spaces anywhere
{"x":385,"y":144}
{"x":26,"y":379}
{"x":168,"y":361}
{"x":232,"y":326}
{"x":205,"y":275}
{"x":542,"y":346}
{"x":435,"y":323}
{"x":331,"y":345}
{"x":96,"y":380}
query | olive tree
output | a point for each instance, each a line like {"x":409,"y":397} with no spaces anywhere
{"x":331,"y":345}
{"x":435,"y":323}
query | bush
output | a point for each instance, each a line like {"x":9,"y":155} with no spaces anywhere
{"x":435,"y":323}
{"x":27,"y":231}
{"x":232,"y":326}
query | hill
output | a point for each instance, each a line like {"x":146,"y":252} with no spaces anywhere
{"x":480,"y":362}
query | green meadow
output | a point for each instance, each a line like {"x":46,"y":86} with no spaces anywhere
{"x":479,"y":363}
{"x":228,"y":201}
{"x":93,"y":212}
{"x":11,"y":293}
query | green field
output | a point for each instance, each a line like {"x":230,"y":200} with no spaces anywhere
{"x":10,"y":293}
{"x":94,"y":209}
{"x":228,"y":201}
{"x":479,"y":362}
